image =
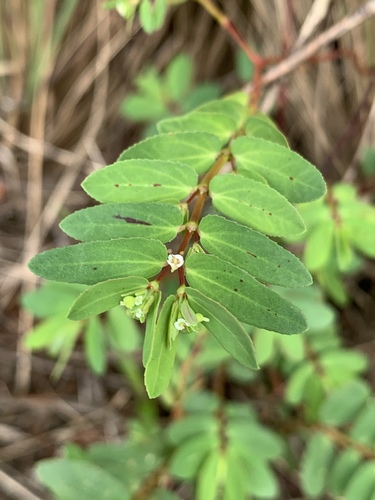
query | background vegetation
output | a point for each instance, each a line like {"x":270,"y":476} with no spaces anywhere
{"x":69,"y":77}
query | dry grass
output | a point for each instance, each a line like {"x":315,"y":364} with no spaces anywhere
{"x":65,"y":65}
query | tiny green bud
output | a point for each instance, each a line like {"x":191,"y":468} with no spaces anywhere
{"x":201,"y":318}
{"x":128,"y":301}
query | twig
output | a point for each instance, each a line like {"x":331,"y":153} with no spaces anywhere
{"x":339,"y":29}
{"x":13,"y":488}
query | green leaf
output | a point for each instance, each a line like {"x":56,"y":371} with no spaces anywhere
{"x":178,"y":77}
{"x":262,"y":482}
{"x":319,"y":245}
{"x":143,"y":108}
{"x":255,"y":205}
{"x":292,"y":347}
{"x":51,"y":299}
{"x":252,"y":251}
{"x":229,"y":107}
{"x":149,"y":83}
{"x":343,"y":468}
{"x":47,"y":332}
{"x":123,"y":332}
{"x":255,"y":441}
{"x":265,"y":345}
{"x":220,"y":125}
{"x":227,"y":330}
{"x":237,"y":479}
{"x":341,"y":405}
{"x":360,"y":226}
{"x":297,"y":381}
{"x":284,"y":170}
{"x":200,"y":94}
{"x":319,"y":314}
{"x":261,"y":129}
{"x":184,"y":429}
{"x":344,"y":251}
{"x":150,"y":329}
{"x":341,"y":365}
{"x":70,"y":479}
{"x":242,"y":295}
{"x":188,"y":456}
{"x":103,"y":296}
{"x":96,"y":261}
{"x":140,"y":180}
{"x":124,"y":220}
{"x":240,"y":97}
{"x":199,"y":150}
{"x":361,"y":485}
{"x":363,"y":428}
{"x":244,"y":67}
{"x":152,"y":14}
{"x":315,"y":464}
{"x":95,"y":346}
{"x":209,"y":478}
{"x":161,"y":361}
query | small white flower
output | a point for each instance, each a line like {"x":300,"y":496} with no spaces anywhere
{"x":139,"y":300}
{"x":138,"y":313}
{"x":181,"y":324}
{"x":175,"y":261}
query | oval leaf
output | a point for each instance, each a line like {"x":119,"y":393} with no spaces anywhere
{"x":261,"y":129}
{"x":95,"y":261}
{"x":95,"y":346}
{"x":252,"y":251}
{"x":196,"y":149}
{"x":79,"y":479}
{"x":315,"y":464}
{"x":150,"y":329}
{"x":141,"y":180}
{"x":284,"y":170}
{"x":227,"y":330}
{"x":255,"y":204}
{"x":242,"y":295}
{"x":222,"y":126}
{"x":161,"y":359}
{"x":229,"y":107}
{"x":124,"y":220}
{"x":103,"y":296}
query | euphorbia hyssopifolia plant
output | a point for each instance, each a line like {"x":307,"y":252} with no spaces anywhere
{"x":157,"y":192}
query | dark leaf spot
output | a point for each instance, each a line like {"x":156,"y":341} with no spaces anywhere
{"x":130,"y":184}
{"x":156,"y":185}
{"x":236,"y":289}
{"x":130,"y":220}
{"x":291,"y":178}
{"x":117,"y":185}
{"x":269,"y":213}
{"x":95,"y":268}
{"x":241,"y":281}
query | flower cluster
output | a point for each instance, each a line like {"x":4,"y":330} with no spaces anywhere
{"x":184,"y":319}
{"x":181,"y":324}
{"x":138,"y":305}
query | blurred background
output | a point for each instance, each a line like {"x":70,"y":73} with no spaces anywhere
{"x":79,"y":84}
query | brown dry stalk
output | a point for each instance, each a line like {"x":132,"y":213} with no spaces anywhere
{"x":348,"y":23}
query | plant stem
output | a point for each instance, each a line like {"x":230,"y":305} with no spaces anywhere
{"x":201,"y":199}
{"x":229,"y":27}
